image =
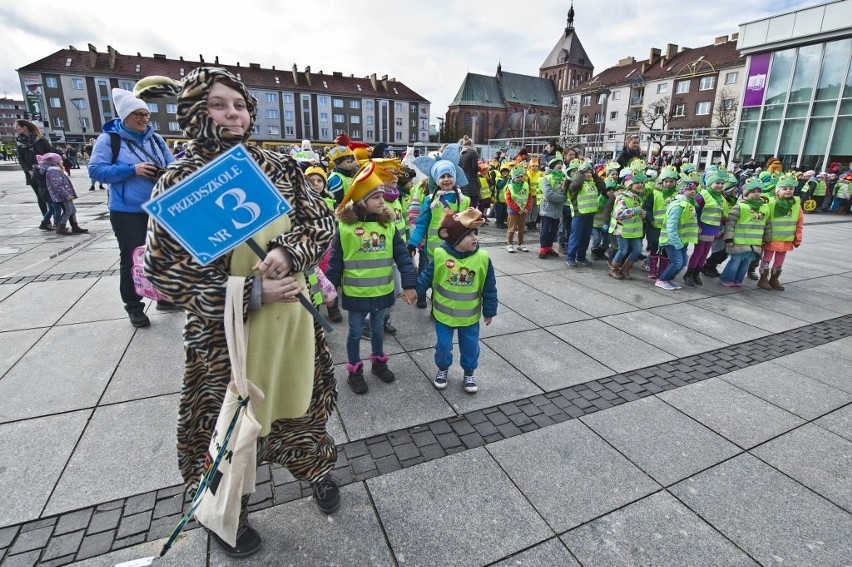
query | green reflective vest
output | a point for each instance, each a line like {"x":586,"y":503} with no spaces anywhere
{"x":400,"y":217}
{"x":313,"y":286}
{"x":750,"y":225}
{"x":783,"y":229}
{"x":661,"y":205}
{"x":457,"y":287}
{"x":347,"y":181}
{"x":630,"y":227}
{"x":432,"y":239}
{"x":599,"y":219}
{"x":587,"y":198}
{"x":712,"y":212}
{"x":687,"y":226}
{"x":484,"y":188}
{"x":367,"y":259}
{"x":520,"y":195}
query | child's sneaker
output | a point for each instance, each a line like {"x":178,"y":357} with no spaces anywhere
{"x":665,"y":285}
{"x":469,"y":384}
{"x":510,"y":249}
{"x":440,"y":381}
{"x":727,"y":284}
{"x":523,"y":248}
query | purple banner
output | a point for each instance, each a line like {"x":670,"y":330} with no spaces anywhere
{"x":756,"y":80}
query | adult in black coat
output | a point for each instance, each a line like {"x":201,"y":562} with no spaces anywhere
{"x":469,"y":162}
{"x":31,"y":143}
{"x":630,"y":151}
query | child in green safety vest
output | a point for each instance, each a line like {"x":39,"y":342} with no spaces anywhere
{"x":519,"y":201}
{"x":664,"y":192}
{"x":783,"y":231}
{"x":680,"y":228}
{"x":744,"y":233}
{"x":626,"y":225}
{"x":464,"y":290}
{"x":500,"y":210}
{"x":316,"y":178}
{"x":485,"y":192}
{"x":363,"y":252}
{"x":533,"y":179}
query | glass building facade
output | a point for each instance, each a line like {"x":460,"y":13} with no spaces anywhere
{"x":797,"y":104}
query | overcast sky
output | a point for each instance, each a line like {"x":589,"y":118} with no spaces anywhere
{"x":428,"y":45}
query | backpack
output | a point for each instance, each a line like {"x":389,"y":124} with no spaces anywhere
{"x":141,"y":283}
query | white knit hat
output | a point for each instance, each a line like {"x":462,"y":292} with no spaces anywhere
{"x":126,"y":103}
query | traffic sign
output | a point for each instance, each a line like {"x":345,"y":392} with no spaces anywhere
{"x":220,"y":206}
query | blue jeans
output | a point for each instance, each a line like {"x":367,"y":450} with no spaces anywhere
{"x":468,"y":346}
{"x":581,"y":234}
{"x":631,"y":246}
{"x":736,"y":268}
{"x":600,"y":239}
{"x":549,"y":228}
{"x":677,"y":260}
{"x":53,"y":210}
{"x":356,"y":326}
{"x":564,"y":227}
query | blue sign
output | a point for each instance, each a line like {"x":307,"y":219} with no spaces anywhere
{"x":220,"y":206}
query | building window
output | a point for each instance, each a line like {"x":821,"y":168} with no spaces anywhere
{"x":323,"y":100}
{"x":354,"y":119}
{"x":356,"y":133}
{"x":288,"y":99}
{"x":587,"y":100}
{"x":51,"y":82}
{"x":398,"y":108}
{"x":354,"y":104}
{"x":679,"y":110}
{"x":174,"y":126}
{"x":324,"y":116}
{"x":55,"y":102}
{"x":369,"y":121}
{"x":584,"y":119}
{"x":58,"y":122}
{"x":272,"y":114}
{"x":288,"y":115}
{"x":153,"y":107}
{"x":731,"y":77}
{"x":126,"y":85}
{"x":598,"y":118}
{"x":171,"y":108}
{"x":601,"y":98}
{"x":290,"y":131}
{"x":337,"y":102}
{"x":728,"y":103}
{"x":613,"y":115}
{"x":610,"y":135}
{"x":77,"y":84}
{"x":324,"y":132}
{"x":399,"y":136}
{"x":616,"y":95}
{"x":706,"y":83}
{"x":368,"y":105}
{"x":155,"y":125}
{"x":273,"y":131}
{"x":84,"y":122}
{"x":399,"y":121}
{"x":369,"y":133}
{"x":255,"y":129}
{"x":682,"y":87}
{"x":702,"y":108}
{"x":271,"y":97}
{"x":662,"y":88}
{"x":339,"y":119}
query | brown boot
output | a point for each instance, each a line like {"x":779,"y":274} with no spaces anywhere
{"x":763,"y":282}
{"x":625,"y":269}
{"x":615,"y":270}
{"x":60,"y":229}
{"x":773,"y":281}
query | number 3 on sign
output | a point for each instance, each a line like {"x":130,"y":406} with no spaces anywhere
{"x":240,"y":197}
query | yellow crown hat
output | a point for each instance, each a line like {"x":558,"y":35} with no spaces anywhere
{"x":365,"y":183}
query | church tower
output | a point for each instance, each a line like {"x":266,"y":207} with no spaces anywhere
{"x":567,"y":65}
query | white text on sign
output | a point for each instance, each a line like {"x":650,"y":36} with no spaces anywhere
{"x":205,"y":190}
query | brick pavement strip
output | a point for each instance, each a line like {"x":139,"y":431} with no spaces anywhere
{"x":93,"y":531}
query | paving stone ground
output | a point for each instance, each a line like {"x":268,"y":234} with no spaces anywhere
{"x":616,"y":424}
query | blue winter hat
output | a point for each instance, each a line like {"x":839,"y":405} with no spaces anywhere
{"x":442,"y":167}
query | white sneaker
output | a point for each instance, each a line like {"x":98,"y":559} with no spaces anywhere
{"x":663,"y":284}
{"x":440,"y":381}
{"x":470,"y":385}
{"x":523,"y":248}
{"x":510,"y":249}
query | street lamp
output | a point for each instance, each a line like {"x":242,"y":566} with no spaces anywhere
{"x":441,"y":131}
{"x":524,"y":126}
{"x":599,"y":148}
{"x":78,"y":104}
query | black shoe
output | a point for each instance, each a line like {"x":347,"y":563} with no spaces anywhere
{"x":687,"y":278}
{"x":46,"y":226}
{"x":696,"y":277}
{"x":421,"y":302}
{"x":102,"y":188}
{"x":167,"y":306}
{"x":752,"y":275}
{"x":139,"y":319}
{"x":248,"y":542}
{"x":326,"y":494}
{"x":389,"y":329}
{"x":384,"y":373}
{"x":641,"y":257}
{"x":710,"y":271}
{"x":334,"y":314}
{"x":356,"y":382}
{"x":365,"y":331}
{"x":92,"y":188}
{"x":79,"y":230}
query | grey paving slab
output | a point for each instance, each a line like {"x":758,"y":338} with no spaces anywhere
{"x":570,"y":474}
{"x":188,"y":550}
{"x":774,"y":301}
{"x":54,"y":376}
{"x":657,"y":530}
{"x":141,"y":375}
{"x":773,"y":518}
{"x":582,"y":297}
{"x":377,"y":411}
{"x":660,"y":440}
{"x":751,"y":314}
{"x":16,"y":344}
{"x":551,"y":552}
{"x":512,"y":264}
{"x":53,"y":298}
{"x":291,"y":534}
{"x":506,"y":322}
{"x":430,"y":511}
{"x":636,"y":292}
{"x":839,"y":349}
{"x":498,"y":381}
{"x":8,"y":289}
{"x":538,"y":307}
{"x":713,"y":325}
{"x":547,"y":360}
{"x":731,"y":412}
{"x":826,"y":367}
{"x":34,"y":453}
{"x":817,"y":458}
{"x":799,"y":291}
{"x":662,"y":333}
{"x":610,"y":346}
{"x":787,"y":389}
{"x":839,"y":422}
{"x":834,"y":285}
{"x":101,"y":302}
{"x":84,"y":262}
{"x":126,"y":449}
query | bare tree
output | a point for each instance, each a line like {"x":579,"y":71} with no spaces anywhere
{"x":724,"y":116}
{"x":568,"y":125}
{"x":656,"y":119}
